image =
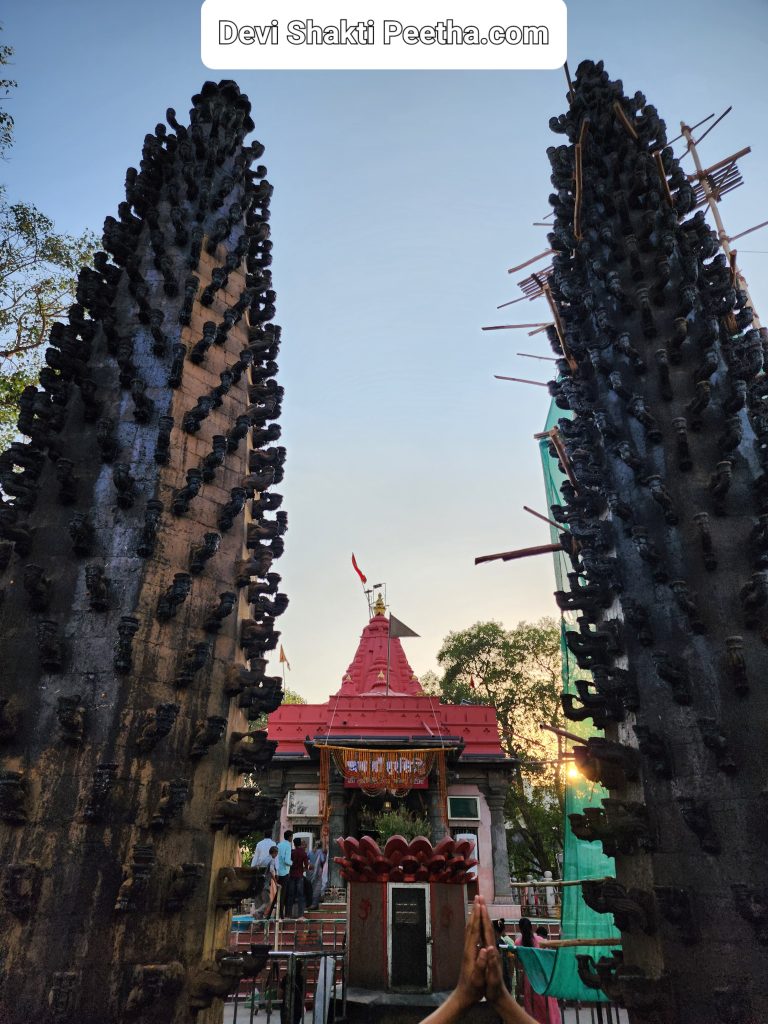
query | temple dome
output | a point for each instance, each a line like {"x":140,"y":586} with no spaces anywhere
{"x":367,"y":673}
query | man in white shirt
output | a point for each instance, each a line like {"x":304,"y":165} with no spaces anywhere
{"x":261,"y":856}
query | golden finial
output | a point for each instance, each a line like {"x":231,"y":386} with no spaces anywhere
{"x":379,"y":608}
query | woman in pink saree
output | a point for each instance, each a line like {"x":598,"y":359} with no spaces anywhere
{"x":542,"y":1008}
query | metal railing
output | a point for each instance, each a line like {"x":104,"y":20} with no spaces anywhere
{"x":308,"y":987}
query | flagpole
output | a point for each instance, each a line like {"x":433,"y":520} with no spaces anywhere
{"x":389,"y":645}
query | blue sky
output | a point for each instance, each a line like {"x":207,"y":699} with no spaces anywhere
{"x":400,"y":200}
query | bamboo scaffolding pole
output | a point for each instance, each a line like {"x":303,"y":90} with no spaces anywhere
{"x":540,"y":329}
{"x":558,"y":326}
{"x":512,"y":302}
{"x":520,"y":380}
{"x":715,"y":210}
{"x":508,"y":556}
{"x":663,"y":176}
{"x":513,"y":327}
{"x":563,"y":732}
{"x":533,"y":259}
{"x":570,"y":83}
{"x":618,"y":111}
{"x":577,"y":194}
{"x":530,"y":355}
{"x":559,"y":943}
{"x":558,"y":883}
{"x":701,"y":174}
{"x":554,"y":436}
{"x":538,"y":515}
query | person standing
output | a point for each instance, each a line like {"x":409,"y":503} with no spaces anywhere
{"x":269,"y":888}
{"x":317,"y":859}
{"x":544,"y":1009}
{"x":299,"y":864}
{"x":284,"y":867}
{"x":261,"y":856}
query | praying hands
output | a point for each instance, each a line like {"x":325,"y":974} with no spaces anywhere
{"x":480,"y":975}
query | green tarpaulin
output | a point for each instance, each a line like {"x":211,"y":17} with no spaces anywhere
{"x":553,"y":972}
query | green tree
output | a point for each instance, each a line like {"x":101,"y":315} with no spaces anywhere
{"x":38,"y":277}
{"x":518,"y":672}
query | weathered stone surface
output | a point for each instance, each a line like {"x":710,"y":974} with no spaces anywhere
{"x":112,"y":719}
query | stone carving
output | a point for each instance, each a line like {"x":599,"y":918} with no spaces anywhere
{"x":20,"y":888}
{"x":193,"y":662}
{"x":676,"y":906}
{"x":103,"y":780}
{"x":174,"y":597}
{"x":153,"y":986}
{"x":173,"y":796}
{"x":182,"y":497}
{"x":621,"y":826}
{"x":63,"y":994}
{"x":208,"y":732}
{"x":126,"y":630}
{"x":183,"y":883}
{"x":156,"y":725}
{"x":97,"y":585}
{"x":215,"y":457}
{"x":242,"y":811}
{"x":633,"y":909}
{"x":50,"y":646}
{"x":176,"y":371}
{"x":125,"y":485}
{"x":225,"y":607}
{"x":67,"y":481}
{"x":201,"y":553}
{"x":607,"y":762}
{"x":214,"y":979}
{"x":152,"y":513}
{"x":82,"y":533}
{"x":251,"y":751}
{"x":136,"y":876}
{"x":236,"y":884}
{"x":697,"y":817}
{"x":752,"y":905}
{"x":13,"y":797}
{"x":71,"y":714}
{"x":163,"y":444}
{"x":233,"y":508}
{"x":37,"y":586}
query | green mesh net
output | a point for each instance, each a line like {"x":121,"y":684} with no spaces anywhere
{"x":553,"y":972}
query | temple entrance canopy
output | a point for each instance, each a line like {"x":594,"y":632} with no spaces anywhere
{"x":379,"y":743}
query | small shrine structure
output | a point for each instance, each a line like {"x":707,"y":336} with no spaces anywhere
{"x":381,"y":742}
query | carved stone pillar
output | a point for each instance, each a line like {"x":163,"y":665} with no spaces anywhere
{"x":495,"y":800}
{"x":336,"y":824}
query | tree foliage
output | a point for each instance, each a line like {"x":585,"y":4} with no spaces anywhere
{"x":38,"y":277}
{"x":518,"y":672}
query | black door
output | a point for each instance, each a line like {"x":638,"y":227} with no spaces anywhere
{"x":409,"y":938}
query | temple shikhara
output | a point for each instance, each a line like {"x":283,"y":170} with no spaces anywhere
{"x":380,"y":741}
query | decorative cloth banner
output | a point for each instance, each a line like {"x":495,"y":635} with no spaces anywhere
{"x":391,"y":769}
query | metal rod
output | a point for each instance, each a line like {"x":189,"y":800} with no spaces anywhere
{"x":508,"y":556}
{"x":521,"y":380}
{"x":693,"y":128}
{"x":538,"y":515}
{"x":714,"y":124}
{"x":732,"y":238}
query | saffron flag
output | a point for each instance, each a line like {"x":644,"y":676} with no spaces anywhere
{"x":471,"y":682}
{"x":398,"y":628}
{"x":283,"y":659}
{"x":356,"y":567}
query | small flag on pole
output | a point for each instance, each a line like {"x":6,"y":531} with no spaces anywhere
{"x":398,"y":628}
{"x":283,"y":659}
{"x":356,"y":567}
